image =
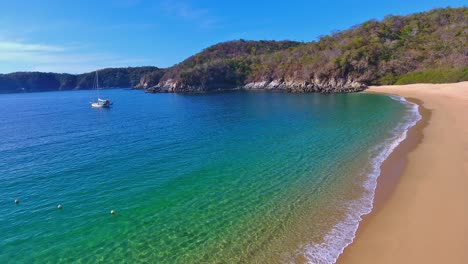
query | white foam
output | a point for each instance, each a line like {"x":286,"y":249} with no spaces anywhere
{"x":343,"y":233}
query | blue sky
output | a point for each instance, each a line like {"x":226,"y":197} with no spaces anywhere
{"x":80,"y":36}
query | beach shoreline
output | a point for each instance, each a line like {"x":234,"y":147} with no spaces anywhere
{"x":392,"y":168}
{"x":410,"y":217}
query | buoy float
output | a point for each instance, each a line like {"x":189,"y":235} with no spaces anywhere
{"x":59,"y":206}
{"x":16,"y":201}
{"x":112,"y":212}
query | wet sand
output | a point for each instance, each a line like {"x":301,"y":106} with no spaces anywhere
{"x":421,"y":207}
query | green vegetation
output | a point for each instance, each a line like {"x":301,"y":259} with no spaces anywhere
{"x":40,"y":81}
{"x":224,"y":64}
{"x":434,"y":76}
{"x":375,"y":52}
{"x":424,"y":47}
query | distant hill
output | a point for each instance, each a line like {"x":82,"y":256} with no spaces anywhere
{"x":424,"y":47}
{"x":40,"y":81}
{"x":222,"y":65}
{"x":428,"y":46}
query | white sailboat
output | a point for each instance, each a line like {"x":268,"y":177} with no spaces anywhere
{"x":101,"y":103}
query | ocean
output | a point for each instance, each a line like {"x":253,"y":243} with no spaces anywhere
{"x":237,"y":177}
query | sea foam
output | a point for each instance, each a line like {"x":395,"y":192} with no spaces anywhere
{"x":344,"y":232}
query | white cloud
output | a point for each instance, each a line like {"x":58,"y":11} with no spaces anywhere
{"x":50,"y":58}
{"x":6,"y":46}
{"x":186,"y":11}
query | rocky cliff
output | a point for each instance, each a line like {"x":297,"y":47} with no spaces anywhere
{"x":291,"y":86}
{"x":340,"y":85}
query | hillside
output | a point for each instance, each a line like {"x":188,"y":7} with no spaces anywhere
{"x":376,"y":52}
{"x":393,"y":50}
{"x":40,"y":81}
{"x":222,"y":66}
{"x":424,"y":47}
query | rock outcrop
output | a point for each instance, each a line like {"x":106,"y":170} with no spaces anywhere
{"x":149,"y":80}
{"x":174,"y":86}
{"x":333,"y":85}
{"x":315,"y":86}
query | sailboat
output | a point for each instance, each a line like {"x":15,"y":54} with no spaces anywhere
{"x":101,"y":103}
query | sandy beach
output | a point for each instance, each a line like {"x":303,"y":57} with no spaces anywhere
{"x":421,"y":207}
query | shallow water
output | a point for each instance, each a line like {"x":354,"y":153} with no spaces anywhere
{"x":218,"y":178}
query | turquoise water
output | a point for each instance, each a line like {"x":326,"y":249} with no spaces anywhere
{"x":246,"y":177}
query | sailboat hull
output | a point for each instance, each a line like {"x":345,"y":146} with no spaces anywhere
{"x":101,"y":103}
{"x":98,"y":105}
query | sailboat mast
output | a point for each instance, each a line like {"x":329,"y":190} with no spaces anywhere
{"x":101,"y":103}
{"x":97,"y":84}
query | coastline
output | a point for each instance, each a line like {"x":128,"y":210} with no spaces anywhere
{"x":385,"y":154}
{"x":392,"y":168}
{"x":419,"y":213}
